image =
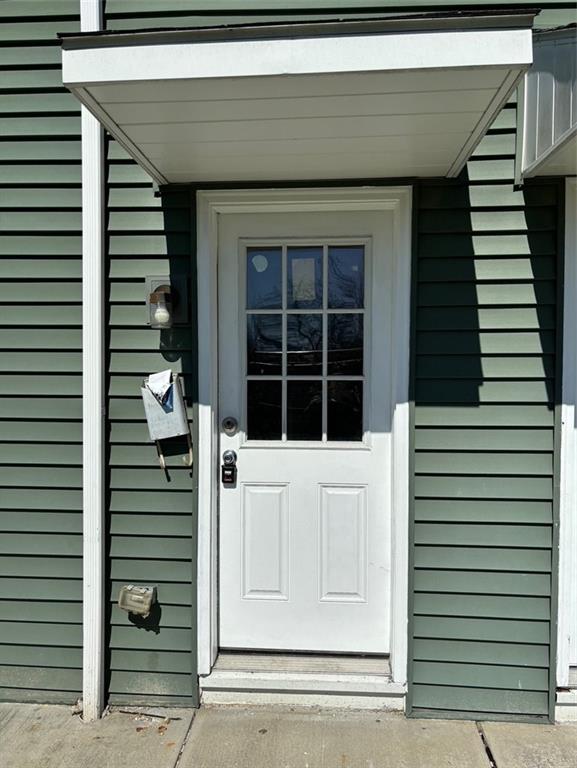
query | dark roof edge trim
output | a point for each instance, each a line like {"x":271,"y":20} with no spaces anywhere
{"x":428,"y":22}
{"x":568,"y":31}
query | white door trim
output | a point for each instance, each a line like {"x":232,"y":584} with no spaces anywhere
{"x":211,"y":204}
{"x":567,"y":597}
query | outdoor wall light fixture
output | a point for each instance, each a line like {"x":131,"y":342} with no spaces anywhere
{"x":166,"y":302}
{"x":161,"y":307}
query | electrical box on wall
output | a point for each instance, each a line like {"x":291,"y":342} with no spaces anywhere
{"x":138,"y":600}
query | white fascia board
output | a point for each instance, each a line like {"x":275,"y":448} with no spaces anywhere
{"x":533,"y":169}
{"x":301,"y":56}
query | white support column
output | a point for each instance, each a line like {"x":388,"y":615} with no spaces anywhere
{"x":93,"y":393}
{"x":567,"y":611}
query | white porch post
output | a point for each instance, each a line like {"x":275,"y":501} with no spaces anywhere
{"x":93,"y":594}
{"x":567,"y":611}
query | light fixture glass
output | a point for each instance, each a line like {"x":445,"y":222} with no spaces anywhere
{"x":160,"y":306}
{"x":162,"y":314}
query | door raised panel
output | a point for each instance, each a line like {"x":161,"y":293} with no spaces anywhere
{"x":343,"y":544}
{"x":265,"y":542}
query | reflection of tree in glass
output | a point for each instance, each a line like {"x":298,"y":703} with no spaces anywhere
{"x":304,"y":332}
{"x":346,"y":277}
{"x":271,"y":299}
{"x":304,"y":344}
{"x":345,"y":394}
{"x":264,"y":344}
{"x":345,"y":344}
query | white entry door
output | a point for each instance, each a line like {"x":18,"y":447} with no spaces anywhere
{"x":305,"y":363}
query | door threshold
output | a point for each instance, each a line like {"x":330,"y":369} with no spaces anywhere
{"x":302,"y":679}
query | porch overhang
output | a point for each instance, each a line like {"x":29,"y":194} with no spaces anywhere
{"x":390,"y":98}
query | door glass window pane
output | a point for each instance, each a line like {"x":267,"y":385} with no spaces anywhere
{"x":346,"y":276}
{"x":345,"y":410}
{"x":264,"y":278}
{"x":304,"y":345}
{"x":304,"y":410}
{"x":264,"y":345}
{"x":305,"y":325}
{"x":305,"y":277}
{"x":345,"y":345}
{"x":264,"y":410}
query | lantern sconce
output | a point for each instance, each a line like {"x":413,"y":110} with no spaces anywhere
{"x":166,"y":302}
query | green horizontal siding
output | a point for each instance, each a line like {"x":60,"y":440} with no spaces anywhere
{"x":502,"y":260}
{"x":121,"y":14}
{"x":40,"y":349}
{"x":484,"y":425}
{"x":151,"y":520}
{"x":484,"y":385}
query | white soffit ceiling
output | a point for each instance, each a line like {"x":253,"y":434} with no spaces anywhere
{"x":380,"y":104}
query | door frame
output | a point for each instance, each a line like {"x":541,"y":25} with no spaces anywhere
{"x":211,"y":204}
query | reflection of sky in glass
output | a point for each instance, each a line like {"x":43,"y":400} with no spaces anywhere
{"x":346,"y":276}
{"x":263,"y":278}
{"x":264,"y":345}
{"x":304,"y":345}
{"x":345,"y":345}
{"x":305,"y":277}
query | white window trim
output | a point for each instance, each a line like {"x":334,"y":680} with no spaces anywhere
{"x":567,"y":597}
{"x":210,"y":205}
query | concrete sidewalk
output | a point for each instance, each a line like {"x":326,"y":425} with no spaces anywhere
{"x":40,"y":736}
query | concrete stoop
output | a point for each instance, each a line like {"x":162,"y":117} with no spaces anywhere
{"x":566,"y":706}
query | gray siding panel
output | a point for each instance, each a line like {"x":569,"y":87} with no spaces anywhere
{"x":151,"y":521}
{"x":484,"y":433}
{"x":40,"y":349}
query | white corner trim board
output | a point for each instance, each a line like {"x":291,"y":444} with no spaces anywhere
{"x":211,"y":205}
{"x":93,"y":592}
{"x":567,"y":620}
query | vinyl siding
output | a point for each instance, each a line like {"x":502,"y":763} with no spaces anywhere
{"x":40,"y":354}
{"x":156,"y":14}
{"x":151,"y":522}
{"x":483,"y":396}
{"x":485,"y":390}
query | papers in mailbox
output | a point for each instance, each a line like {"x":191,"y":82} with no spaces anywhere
{"x":159,"y":384}
{"x":165,"y":417}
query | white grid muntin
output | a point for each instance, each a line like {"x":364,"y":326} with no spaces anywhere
{"x":325,"y":311}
